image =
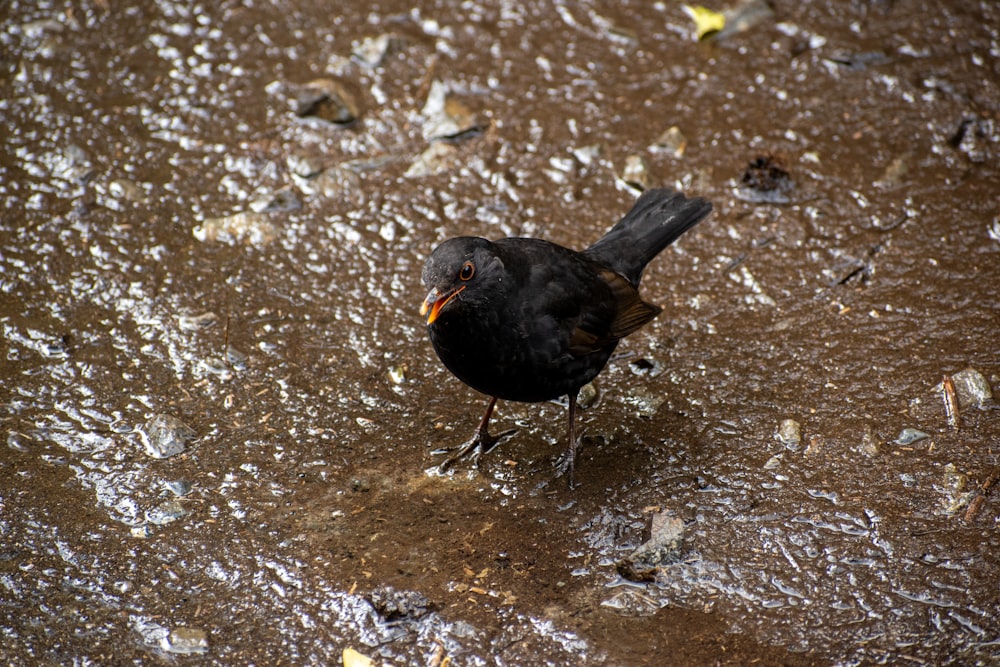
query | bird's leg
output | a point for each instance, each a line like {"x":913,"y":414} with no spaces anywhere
{"x":567,"y":462}
{"x":481,"y":441}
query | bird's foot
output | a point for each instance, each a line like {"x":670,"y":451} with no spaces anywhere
{"x":480,"y":443}
{"x":566,"y":464}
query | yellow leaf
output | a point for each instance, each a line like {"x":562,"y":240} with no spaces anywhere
{"x":706,"y":21}
{"x":354,"y":659}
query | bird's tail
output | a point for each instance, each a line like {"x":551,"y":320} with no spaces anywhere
{"x":656,"y":220}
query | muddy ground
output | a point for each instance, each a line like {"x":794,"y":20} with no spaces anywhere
{"x":219,"y":405}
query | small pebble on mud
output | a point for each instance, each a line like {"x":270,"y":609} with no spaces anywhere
{"x":197,"y":322}
{"x":282,"y":201}
{"x":666,"y":539}
{"x":869,"y":442}
{"x":636,"y":172}
{"x":186,"y":641}
{"x":953,"y":487}
{"x":445,"y":117}
{"x":254,"y":229}
{"x":973,"y":389}
{"x":397,"y":374}
{"x":165,"y":435}
{"x":587,"y":396}
{"x":396,"y":605}
{"x":908,"y":436}
{"x":672,"y":141}
{"x":327,"y":100}
{"x":165,"y":513}
{"x":437,"y":159}
{"x":371,"y":51}
{"x":789,"y":433}
{"x":645,"y":402}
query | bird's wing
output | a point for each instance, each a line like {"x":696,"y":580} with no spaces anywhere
{"x":596,"y":329}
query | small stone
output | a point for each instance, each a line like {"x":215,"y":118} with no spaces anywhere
{"x":954,"y":485}
{"x":869,"y":442}
{"x":666,"y":540}
{"x":636,"y":172}
{"x":908,"y":436}
{"x":446,"y":117}
{"x":339,"y":182}
{"x":142,"y":532}
{"x":789,"y":434}
{"x":397,"y":374}
{"x":197,"y":322}
{"x":180,"y":487}
{"x":587,"y":396}
{"x":236,"y":359}
{"x":973,"y":389}
{"x":165,"y":513}
{"x":371,"y":51}
{"x":438,"y":158}
{"x":394,"y":605}
{"x":773,"y":462}
{"x":245,"y":227}
{"x":186,"y":641}
{"x":644,"y":402}
{"x":327,"y":100}
{"x":126,"y":190}
{"x":672,"y":141}
{"x":587,"y":155}
{"x":305,"y":164}
{"x":282,"y":201}
{"x":165,"y":435}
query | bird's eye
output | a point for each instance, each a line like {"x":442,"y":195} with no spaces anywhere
{"x":467,"y":271}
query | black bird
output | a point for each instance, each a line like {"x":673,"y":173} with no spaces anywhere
{"x":527,"y":320}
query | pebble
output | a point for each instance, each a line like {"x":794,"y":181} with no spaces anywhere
{"x":908,"y":436}
{"x":587,"y":396}
{"x":446,"y":117}
{"x":247,"y":227}
{"x":644,"y":402}
{"x":789,"y":434}
{"x":666,"y":540}
{"x":282,"y":201}
{"x":869,"y":442}
{"x":186,"y":641}
{"x":973,"y":389}
{"x":672,"y":141}
{"x":196,"y":322}
{"x":371,"y":51}
{"x":165,"y":435}
{"x":438,"y":158}
{"x":165,"y":513}
{"x":636,"y":172}
{"x":327,"y":100}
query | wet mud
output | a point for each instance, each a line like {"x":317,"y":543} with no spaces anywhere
{"x":219,"y":405}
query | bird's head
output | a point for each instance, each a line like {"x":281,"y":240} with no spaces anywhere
{"x":459,"y":270}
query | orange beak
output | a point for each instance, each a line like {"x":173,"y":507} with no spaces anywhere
{"x":435,"y":301}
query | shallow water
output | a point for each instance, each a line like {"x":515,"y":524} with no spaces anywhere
{"x":175,"y":240}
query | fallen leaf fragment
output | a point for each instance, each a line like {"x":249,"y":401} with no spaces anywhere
{"x":706,"y":21}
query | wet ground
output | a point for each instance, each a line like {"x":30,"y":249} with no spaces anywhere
{"x":219,"y":405}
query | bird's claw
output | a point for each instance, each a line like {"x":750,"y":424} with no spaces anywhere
{"x":480,"y":443}
{"x":566,"y":465}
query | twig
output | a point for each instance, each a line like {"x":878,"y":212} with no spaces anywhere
{"x":950,"y":402}
{"x":984,"y":490}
